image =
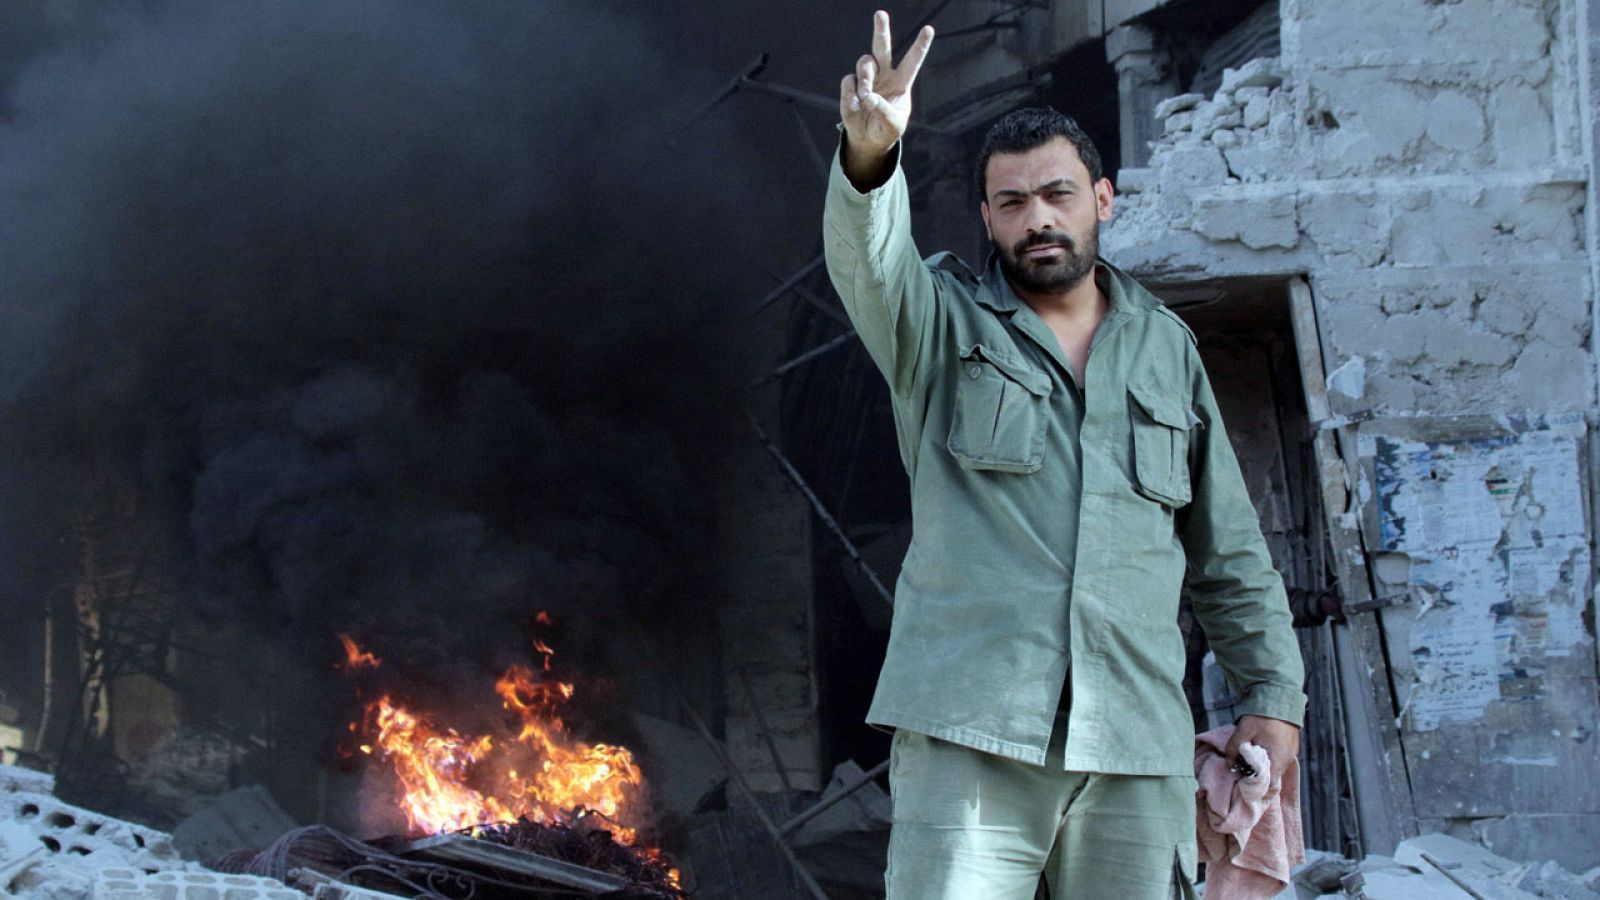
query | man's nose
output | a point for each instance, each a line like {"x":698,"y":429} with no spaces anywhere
{"x":1041,"y":216}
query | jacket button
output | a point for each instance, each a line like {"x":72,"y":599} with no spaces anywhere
{"x":975,"y":371}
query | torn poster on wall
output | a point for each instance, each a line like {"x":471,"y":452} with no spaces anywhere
{"x":1493,"y":527}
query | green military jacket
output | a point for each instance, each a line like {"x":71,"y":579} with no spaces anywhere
{"x":1053,"y":523}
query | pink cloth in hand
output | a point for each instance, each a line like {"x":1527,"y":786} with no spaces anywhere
{"x":1248,"y":828}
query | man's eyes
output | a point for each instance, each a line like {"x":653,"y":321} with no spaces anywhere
{"x":1014,"y":202}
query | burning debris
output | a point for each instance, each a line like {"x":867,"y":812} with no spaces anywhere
{"x":495,"y":864}
{"x":50,"y":849}
{"x":534,"y":770}
{"x":532,"y":787}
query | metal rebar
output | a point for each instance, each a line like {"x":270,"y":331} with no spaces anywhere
{"x":810,"y":144}
{"x":766,"y":732}
{"x":821,"y":511}
{"x":790,"y":94}
{"x":789,"y":283}
{"x":736,"y":775}
{"x":731,"y":88}
{"x":1454,"y":878}
{"x":831,"y":310}
{"x":814,"y":353}
{"x":827,"y":803}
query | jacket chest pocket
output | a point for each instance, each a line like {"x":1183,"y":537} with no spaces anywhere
{"x":1001,"y":413}
{"x":1161,"y":425}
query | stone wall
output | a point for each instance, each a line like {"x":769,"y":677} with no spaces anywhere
{"x":1423,"y":166}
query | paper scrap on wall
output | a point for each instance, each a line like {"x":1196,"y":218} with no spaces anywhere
{"x":1494,"y":529}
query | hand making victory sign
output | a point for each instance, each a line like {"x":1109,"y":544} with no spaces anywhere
{"x":875,"y":102}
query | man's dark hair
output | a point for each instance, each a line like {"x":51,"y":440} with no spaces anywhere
{"x":1022,"y":130}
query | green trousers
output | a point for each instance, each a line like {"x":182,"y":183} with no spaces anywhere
{"x":969,"y":825}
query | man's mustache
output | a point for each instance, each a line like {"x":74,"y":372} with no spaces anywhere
{"x":1042,"y":238}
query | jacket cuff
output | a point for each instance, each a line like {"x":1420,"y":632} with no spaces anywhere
{"x":1275,"y":701}
{"x":842,"y":186}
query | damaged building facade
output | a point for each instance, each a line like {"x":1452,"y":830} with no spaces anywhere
{"x":1417,"y":175}
{"x":1378,"y":217}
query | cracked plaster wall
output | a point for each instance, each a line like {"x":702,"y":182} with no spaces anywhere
{"x":1420,"y":162}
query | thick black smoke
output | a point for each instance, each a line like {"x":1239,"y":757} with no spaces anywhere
{"x":399,"y":317}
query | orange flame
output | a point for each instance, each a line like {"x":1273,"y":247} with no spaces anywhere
{"x":355,"y":657}
{"x":449,"y":781}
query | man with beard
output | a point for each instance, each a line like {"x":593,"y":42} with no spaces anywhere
{"x":1067,"y":465}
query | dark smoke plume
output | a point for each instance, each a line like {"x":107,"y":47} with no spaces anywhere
{"x":397,"y":316}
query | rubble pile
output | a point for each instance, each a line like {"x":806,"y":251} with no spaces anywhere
{"x":1437,"y":867}
{"x":1243,"y":109}
{"x":50,"y":850}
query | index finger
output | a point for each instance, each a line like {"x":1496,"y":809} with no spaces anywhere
{"x":912,"y":64}
{"x":881,"y":41}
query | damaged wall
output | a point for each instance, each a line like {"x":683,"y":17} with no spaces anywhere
{"x":1431,"y":188}
{"x":1423,"y":166}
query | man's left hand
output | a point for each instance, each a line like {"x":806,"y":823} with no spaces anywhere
{"x":1280,"y":739}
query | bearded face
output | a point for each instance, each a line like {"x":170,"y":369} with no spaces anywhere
{"x":1043,"y":211}
{"x":1050,"y":262}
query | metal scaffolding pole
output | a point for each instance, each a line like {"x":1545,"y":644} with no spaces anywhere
{"x":822,"y":512}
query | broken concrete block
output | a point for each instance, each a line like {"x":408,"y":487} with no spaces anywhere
{"x":16,"y":778}
{"x":1257,"y":112}
{"x":1350,"y":379}
{"x":1261,"y":72}
{"x":1463,"y":863}
{"x":132,"y":884}
{"x":683,"y":772}
{"x":1320,"y":874}
{"x":87,"y":837}
{"x":1177,"y":104}
{"x":1194,"y":166}
{"x":20,"y":849}
{"x":1255,"y":161}
{"x":1211,"y":117}
{"x":1256,"y":219}
{"x":1549,"y":879}
{"x":1176,"y":122}
{"x":53,"y":879}
{"x":1225,"y":138}
{"x":1550,"y":373}
{"x":1135,"y":181}
{"x":244,"y":818}
{"x":1383,"y":878}
{"x":1281,"y":122}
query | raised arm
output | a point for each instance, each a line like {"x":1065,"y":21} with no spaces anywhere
{"x":872,"y":259}
{"x":875,"y":104}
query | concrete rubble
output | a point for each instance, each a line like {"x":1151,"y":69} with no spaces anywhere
{"x":50,"y":850}
{"x":1437,"y":866}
